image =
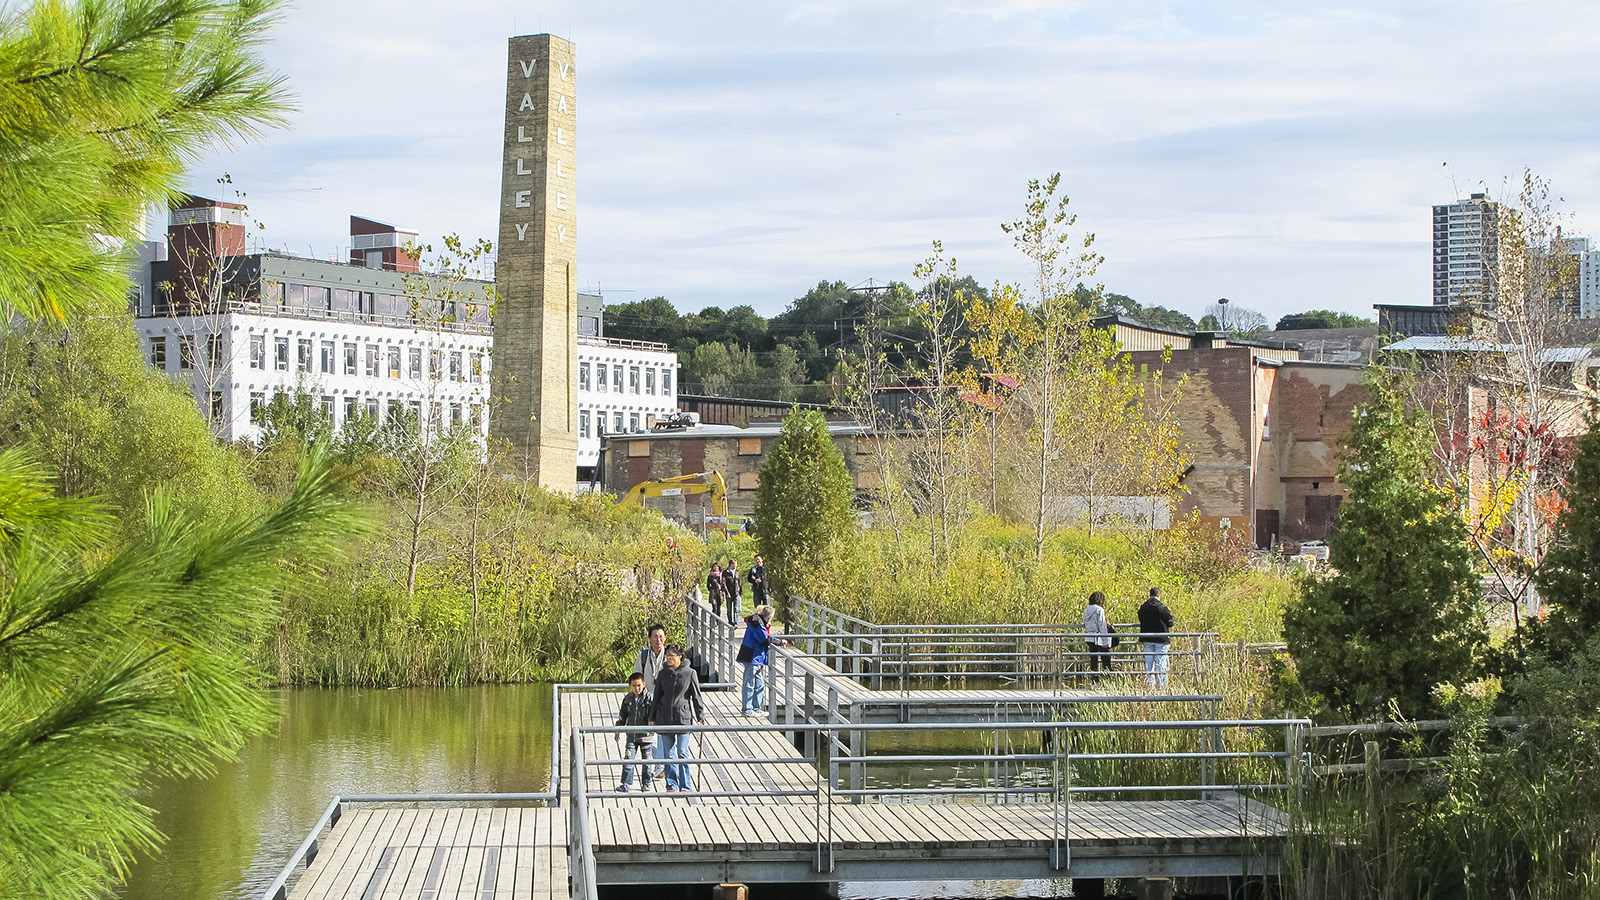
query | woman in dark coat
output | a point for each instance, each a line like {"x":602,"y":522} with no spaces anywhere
{"x":677,"y":702}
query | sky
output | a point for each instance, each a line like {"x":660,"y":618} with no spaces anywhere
{"x":1282,"y":155}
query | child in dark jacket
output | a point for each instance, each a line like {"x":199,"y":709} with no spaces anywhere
{"x":635,"y":710}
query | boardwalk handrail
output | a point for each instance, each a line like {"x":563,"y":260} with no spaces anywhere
{"x":1058,"y":789}
{"x":871,"y":652}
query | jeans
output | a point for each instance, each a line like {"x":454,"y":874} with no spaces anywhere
{"x":754,"y":688}
{"x":675,"y":745}
{"x":1156,"y":664}
{"x":733,"y":609}
{"x":636,"y":751}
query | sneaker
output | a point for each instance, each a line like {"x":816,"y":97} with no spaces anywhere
{"x":622,"y":789}
{"x":671,"y":790}
{"x":645,"y":785}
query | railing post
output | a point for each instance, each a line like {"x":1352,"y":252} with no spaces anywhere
{"x":1061,"y":809}
{"x":580,"y":848}
{"x":833,"y":755}
{"x":824,"y":805}
{"x":858,"y":750}
{"x":811,"y":708}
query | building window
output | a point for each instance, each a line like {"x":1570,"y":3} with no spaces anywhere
{"x":455,"y":367}
{"x":455,"y":415}
{"x":602,"y":385}
{"x":477,"y":367}
{"x":280,"y":350}
{"x":349,"y":359}
{"x":327,"y":357}
{"x":436,"y":416}
{"x":416,"y":362}
{"x":633,"y":379}
{"x":638,"y":448}
{"x":258,"y":351}
{"x":477,"y":415}
{"x":158,"y":352}
{"x":394,"y":362}
{"x":186,"y":351}
{"x":583,"y":377}
{"x":649,"y":381}
{"x":303,"y":354}
{"x":217,"y":406}
{"x":327,"y":408}
{"x":436,"y":364}
{"x":351,"y":408}
{"x":748,"y":480}
{"x":616,"y":378}
{"x":215,"y":355}
{"x":258,"y":401}
{"x":666,"y":382}
{"x":750,"y":446}
{"x":372,"y":409}
{"x":633,"y":422}
{"x":415,"y":408}
{"x":583,"y":423}
{"x":616,"y":422}
{"x":372,"y":361}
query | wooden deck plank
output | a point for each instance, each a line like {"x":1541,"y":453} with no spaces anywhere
{"x":349,"y":838}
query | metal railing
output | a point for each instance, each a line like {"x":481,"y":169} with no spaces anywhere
{"x":1036,"y":777}
{"x":1029,"y":655}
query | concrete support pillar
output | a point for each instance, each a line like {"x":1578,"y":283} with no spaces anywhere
{"x":1154,"y":889}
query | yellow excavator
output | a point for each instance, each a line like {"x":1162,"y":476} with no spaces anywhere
{"x":682,"y":486}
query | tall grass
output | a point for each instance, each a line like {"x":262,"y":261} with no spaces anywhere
{"x":564,"y":589}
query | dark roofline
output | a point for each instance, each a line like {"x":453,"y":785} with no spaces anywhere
{"x":1118,"y":319}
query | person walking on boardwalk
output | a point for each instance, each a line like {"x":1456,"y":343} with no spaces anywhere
{"x":753,"y":654}
{"x":652,"y":659}
{"x":716,"y":588}
{"x":757,"y":576}
{"x":734,"y":589}
{"x":677,"y":702}
{"x":635,"y":710}
{"x":1097,"y":635}
{"x":1155,"y":621}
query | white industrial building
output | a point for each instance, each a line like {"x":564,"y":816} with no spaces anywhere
{"x":245,"y":327}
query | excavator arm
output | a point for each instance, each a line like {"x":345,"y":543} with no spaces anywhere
{"x":681,"y":486}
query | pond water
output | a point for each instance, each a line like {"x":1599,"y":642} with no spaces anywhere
{"x":229,"y":835}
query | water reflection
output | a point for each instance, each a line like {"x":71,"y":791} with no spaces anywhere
{"x":228,"y":835}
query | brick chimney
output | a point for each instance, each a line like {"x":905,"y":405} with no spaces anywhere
{"x":202,"y":235}
{"x":378,"y":246}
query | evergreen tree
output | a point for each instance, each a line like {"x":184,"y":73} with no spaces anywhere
{"x":102,"y":102}
{"x":804,"y":516}
{"x":1401,"y":613}
{"x":1569,"y":579}
{"x":119,"y":663}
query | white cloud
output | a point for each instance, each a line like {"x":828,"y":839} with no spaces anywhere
{"x":1282,"y":156}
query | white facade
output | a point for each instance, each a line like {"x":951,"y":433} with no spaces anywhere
{"x":623,"y":386}
{"x":1466,"y":252}
{"x":1588,"y":277}
{"x":236,"y":362}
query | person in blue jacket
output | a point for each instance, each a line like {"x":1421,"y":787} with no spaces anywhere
{"x":753,"y":654}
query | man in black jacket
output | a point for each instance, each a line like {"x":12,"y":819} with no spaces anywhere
{"x":758,"y":583}
{"x":735,"y":590}
{"x":1155,"y":621}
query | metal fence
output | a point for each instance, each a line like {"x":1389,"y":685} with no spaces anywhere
{"x":1025,"y":655}
{"x":1068,"y":752}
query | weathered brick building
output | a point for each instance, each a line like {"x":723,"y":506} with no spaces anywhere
{"x":735,"y":452}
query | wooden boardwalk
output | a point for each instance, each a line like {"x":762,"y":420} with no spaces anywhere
{"x":442,"y":854}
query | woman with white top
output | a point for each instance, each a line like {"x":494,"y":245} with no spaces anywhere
{"x":1097,"y":634}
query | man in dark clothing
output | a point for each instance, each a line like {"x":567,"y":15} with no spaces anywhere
{"x":733,"y":589}
{"x":1155,"y":621}
{"x":758,"y":583}
{"x":677,"y":702}
{"x":635,"y":710}
{"x":716,"y":587}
